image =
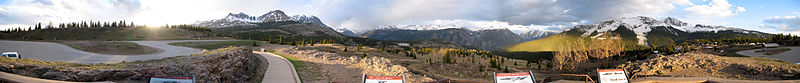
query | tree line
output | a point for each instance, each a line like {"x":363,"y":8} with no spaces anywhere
{"x":81,"y":24}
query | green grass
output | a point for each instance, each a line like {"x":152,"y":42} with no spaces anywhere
{"x":774,"y":51}
{"x":216,"y":44}
{"x":106,"y":47}
{"x":734,"y":55}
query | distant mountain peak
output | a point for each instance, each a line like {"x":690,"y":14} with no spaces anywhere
{"x":642,"y":25}
{"x":242,"y":19}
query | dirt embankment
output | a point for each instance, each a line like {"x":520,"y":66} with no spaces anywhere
{"x":696,"y":64}
{"x":339,"y":68}
{"x":229,"y":65}
{"x":111,"y":47}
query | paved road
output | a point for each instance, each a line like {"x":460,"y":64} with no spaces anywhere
{"x":280,"y":70}
{"x":48,"y":51}
{"x":791,"y":56}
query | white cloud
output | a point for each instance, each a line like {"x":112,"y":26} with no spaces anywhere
{"x":782,"y":23}
{"x":716,"y":8}
{"x":740,"y":9}
{"x":28,"y":12}
{"x":357,"y":15}
{"x":483,"y":25}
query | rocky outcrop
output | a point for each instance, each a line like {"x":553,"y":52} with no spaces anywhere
{"x":378,"y":64}
{"x":702,"y":65}
{"x":229,"y":65}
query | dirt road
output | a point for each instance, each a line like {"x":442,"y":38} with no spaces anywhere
{"x":791,"y":56}
{"x":280,"y":70}
{"x":48,"y":51}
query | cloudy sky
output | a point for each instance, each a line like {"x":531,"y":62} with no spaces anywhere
{"x":772,"y":16}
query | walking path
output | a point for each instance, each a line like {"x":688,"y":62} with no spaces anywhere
{"x":280,"y":70}
{"x":791,"y":56}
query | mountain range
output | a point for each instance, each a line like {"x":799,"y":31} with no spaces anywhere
{"x":640,"y":31}
{"x":484,"y":39}
{"x":242,"y":19}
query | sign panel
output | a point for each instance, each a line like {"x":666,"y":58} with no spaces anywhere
{"x":612,"y":76}
{"x":172,"y":79}
{"x":521,"y":77}
{"x":383,"y":79}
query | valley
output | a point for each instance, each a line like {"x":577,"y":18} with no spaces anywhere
{"x":287,"y":46}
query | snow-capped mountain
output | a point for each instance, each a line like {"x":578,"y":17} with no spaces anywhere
{"x":242,"y":19}
{"x":535,"y":34}
{"x":643,"y":26}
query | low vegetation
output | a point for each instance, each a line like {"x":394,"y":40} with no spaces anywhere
{"x":774,"y":51}
{"x":110,"y":47}
{"x":241,"y":65}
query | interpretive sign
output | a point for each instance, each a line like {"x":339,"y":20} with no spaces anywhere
{"x":383,"y":79}
{"x":172,"y":79}
{"x":612,"y":76}
{"x":521,"y":77}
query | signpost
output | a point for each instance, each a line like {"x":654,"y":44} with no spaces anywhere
{"x":521,"y":77}
{"x":384,"y":79}
{"x":172,"y":79}
{"x":612,"y":76}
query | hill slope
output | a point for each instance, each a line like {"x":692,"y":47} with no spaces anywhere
{"x":487,"y":39}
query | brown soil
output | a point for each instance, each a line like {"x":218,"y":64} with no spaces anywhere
{"x":111,"y":47}
{"x":347,"y":66}
{"x":328,"y":63}
{"x":698,"y":64}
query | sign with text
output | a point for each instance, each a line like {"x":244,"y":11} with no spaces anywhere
{"x":172,"y":79}
{"x":383,"y":79}
{"x":612,"y":76}
{"x":521,"y":77}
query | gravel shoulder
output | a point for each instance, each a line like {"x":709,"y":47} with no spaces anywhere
{"x":791,"y":56}
{"x":48,"y":51}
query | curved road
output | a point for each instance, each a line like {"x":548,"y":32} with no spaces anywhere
{"x":49,"y":51}
{"x":791,"y":56}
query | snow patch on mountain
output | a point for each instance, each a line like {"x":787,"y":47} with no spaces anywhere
{"x":242,"y":19}
{"x":642,"y":25}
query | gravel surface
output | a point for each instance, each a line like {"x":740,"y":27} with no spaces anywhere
{"x":48,"y":51}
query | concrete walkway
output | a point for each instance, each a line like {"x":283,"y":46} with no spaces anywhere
{"x":791,"y":56}
{"x":49,"y":51}
{"x":280,"y":70}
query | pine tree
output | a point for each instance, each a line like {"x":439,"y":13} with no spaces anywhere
{"x":38,"y":26}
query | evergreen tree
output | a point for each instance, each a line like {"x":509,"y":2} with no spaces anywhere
{"x":38,"y":26}
{"x":114,"y":24}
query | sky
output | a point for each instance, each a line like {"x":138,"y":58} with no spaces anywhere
{"x":771,"y":16}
